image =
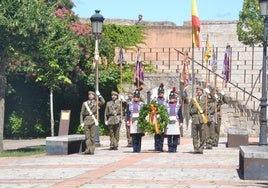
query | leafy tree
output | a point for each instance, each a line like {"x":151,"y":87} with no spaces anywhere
{"x":22,"y":24}
{"x":250,"y":25}
{"x":122,"y":36}
{"x":44,"y":40}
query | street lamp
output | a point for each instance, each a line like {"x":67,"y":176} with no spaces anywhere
{"x":263,"y":100}
{"x":96,"y":22}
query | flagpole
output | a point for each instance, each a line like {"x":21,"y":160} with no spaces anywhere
{"x":193,"y":77}
{"x":206,"y":59}
{"x":215,"y":82}
{"x":195,"y":37}
{"x":121,"y":88}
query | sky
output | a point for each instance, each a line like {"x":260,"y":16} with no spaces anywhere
{"x":176,"y":11}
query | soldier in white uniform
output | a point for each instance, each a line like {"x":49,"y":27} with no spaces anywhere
{"x":175,"y":121}
{"x":159,"y":137}
{"x":135,"y":132}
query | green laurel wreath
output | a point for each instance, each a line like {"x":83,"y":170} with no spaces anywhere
{"x":163,"y":118}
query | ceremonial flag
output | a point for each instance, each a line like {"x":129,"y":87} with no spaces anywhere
{"x":185,"y":71}
{"x":121,"y":55}
{"x":215,"y":62}
{"x":208,"y":51}
{"x":195,"y":25}
{"x":121,"y":59}
{"x":139,"y":74}
{"x":226,"y":64}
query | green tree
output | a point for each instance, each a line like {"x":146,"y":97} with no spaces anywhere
{"x":122,"y":36}
{"x":250,"y":24}
{"x":22,"y":24}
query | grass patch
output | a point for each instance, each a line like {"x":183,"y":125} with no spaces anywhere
{"x":27,"y":151}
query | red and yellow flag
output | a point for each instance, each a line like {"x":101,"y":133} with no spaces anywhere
{"x":195,"y":25}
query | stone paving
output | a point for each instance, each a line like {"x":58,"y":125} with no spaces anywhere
{"x":216,"y":168}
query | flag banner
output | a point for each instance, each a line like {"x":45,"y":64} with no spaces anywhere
{"x":214,"y":64}
{"x":208,"y":51}
{"x":195,"y":25}
{"x":121,"y":57}
{"x":185,"y":71}
{"x":226,"y":64}
{"x":139,"y":74}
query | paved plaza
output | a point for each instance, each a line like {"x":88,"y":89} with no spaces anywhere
{"x":216,"y":168}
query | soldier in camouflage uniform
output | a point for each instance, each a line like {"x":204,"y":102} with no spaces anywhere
{"x":220,"y":100}
{"x":88,"y":120}
{"x":210,"y":112}
{"x":112,"y":116}
{"x":198,"y":125}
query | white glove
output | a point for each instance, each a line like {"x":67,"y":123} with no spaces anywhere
{"x":97,"y":92}
{"x":82,"y":124}
{"x":181,"y":124}
{"x":222,"y":92}
{"x":122,"y":98}
{"x":106,"y":123}
{"x":216,"y":96}
{"x":207,"y":90}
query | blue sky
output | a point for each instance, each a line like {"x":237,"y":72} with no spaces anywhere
{"x":176,"y":11}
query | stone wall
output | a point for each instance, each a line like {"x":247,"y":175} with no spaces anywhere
{"x":246,"y":63}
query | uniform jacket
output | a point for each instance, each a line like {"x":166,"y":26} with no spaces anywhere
{"x":175,"y":117}
{"x":85,"y":117}
{"x":159,"y":100}
{"x":195,"y":114}
{"x":134,"y":109}
{"x":210,"y":108}
{"x":112,"y":113}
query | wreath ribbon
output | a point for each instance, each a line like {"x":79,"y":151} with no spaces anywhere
{"x":153,"y":118}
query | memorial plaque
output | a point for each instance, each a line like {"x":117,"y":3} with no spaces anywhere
{"x":64,"y":122}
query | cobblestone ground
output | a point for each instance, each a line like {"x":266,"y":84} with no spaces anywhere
{"x":216,"y":168}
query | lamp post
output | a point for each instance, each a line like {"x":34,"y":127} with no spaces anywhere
{"x":96,"y":22}
{"x":263,"y":100}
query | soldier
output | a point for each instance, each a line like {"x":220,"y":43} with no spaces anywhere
{"x":210,"y":112}
{"x":135,"y":132}
{"x":88,"y":120}
{"x":220,"y":100}
{"x":112,"y":117}
{"x":185,"y":104}
{"x":175,"y":121}
{"x":159,"y":138}
{"x":127,"y":114}
{"x":197,"y":112}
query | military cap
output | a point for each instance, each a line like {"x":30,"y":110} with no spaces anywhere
{"x":161,"y":88}
{"x":199,"y":87}
{"x":172,"y":94}
{"x":91,"y":92}
{"x":114,"y":93}
{"x":136,"y":93}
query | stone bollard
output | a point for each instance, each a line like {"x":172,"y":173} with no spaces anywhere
{"x":237,"y":137}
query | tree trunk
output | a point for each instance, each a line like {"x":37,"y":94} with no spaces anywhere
{"x":51,"y":112}
{"x":2,"y":99}
{"x":2,"y":111}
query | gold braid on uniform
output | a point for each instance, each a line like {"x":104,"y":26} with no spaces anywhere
{"x":161,"y":113}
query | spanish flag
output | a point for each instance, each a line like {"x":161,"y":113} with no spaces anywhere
{"x":195,"y":25}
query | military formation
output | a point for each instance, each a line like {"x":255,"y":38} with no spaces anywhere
{"x":204,"y":110}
